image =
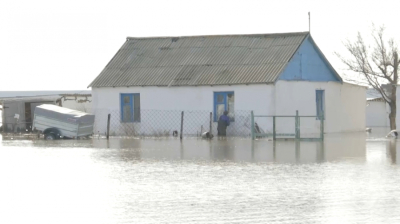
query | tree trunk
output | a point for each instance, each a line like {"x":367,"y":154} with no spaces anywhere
{"x":393,"y":106}
{"x":393,"y":110}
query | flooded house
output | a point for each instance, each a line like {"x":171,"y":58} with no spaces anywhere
{"x":269,"y":74}
{"x":378,"y":110}
{"x":18,"y":106}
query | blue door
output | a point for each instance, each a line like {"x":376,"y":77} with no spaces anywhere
{"x":320,"y":101}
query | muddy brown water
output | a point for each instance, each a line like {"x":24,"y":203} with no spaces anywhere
{"x":350,"y":178}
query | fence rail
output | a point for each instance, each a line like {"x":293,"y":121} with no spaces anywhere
{"x":287,"y":127}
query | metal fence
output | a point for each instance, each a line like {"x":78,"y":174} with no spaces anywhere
{"x":177,"y":123}
{"x":164,"y":123}
{"x":288,"y":127}
{"x":16,"y":126}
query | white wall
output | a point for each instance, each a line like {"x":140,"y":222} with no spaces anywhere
{"x":398,"y":108}
{"x":376,"y":114}
{"x":76,"y":103}
{"x":353,"y":108}
{"x":258,"y":98}
{"x":344,"y":105}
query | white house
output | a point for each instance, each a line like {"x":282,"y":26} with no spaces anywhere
{"x":377,"y":111}
{"x":270,"y":74}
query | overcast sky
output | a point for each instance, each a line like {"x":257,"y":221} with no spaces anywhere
{"x":54,"y":45}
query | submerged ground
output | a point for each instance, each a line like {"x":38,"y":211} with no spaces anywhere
{"x":350,"y":178}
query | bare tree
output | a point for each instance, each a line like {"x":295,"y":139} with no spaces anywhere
{"x":378,"y":65}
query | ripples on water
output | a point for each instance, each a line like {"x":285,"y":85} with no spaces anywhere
{"x":347,"y":179}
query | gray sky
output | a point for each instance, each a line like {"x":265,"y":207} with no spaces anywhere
{"x":54,"y":45}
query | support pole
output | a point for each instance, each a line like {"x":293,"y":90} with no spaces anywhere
{"x":108,"y":125}
{"x":273,"y":129}
{"x":181,"y":136}
{"x":252,"y":126}
{"x":297,"y":122}
{"x":210,"y":122}
{"x":322,"y":128}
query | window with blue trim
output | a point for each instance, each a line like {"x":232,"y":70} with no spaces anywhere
{"x":224,"y":101}
{"x":130,"y":107}
{"x":320,"y":103}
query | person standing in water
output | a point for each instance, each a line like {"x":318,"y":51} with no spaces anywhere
{"x":223,"y":123}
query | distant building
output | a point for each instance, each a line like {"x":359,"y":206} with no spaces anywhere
{"x":377,"y":112}
{"x":270,"y":74}
{"x":19,"y":106}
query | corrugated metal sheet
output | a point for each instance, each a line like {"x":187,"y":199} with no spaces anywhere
{"x":200,"y":60}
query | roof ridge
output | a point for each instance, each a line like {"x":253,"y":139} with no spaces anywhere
{"x":223,"y":35}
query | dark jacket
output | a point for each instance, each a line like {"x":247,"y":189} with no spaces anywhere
{"x":223,"y":123}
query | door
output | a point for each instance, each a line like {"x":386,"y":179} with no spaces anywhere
{"x":320,"y":103}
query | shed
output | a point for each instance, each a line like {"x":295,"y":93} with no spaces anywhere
{"x":19,"y":106}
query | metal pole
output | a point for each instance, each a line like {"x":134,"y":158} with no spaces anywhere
{"x":252,"y":126}
{"x":322,"y":127}
{"x":210,"y":122}
{"x":309,"y":22}
{"x":297,"y":133}
{"x":108,"y":125}
{"x":273,"y":128}
{"x":181,"y":136}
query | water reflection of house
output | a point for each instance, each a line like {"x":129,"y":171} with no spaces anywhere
{"x":336,"y":147}
{"x":19,"y":106}
{"x":271,"y":74}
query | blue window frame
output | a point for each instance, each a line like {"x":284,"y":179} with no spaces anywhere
{"x":320,"y":103}
{"x":130,"y":107}
{"x":224,"y":101}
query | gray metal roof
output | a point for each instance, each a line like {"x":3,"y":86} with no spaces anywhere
{"x":200,"y":60}
{"x":17,"y":94}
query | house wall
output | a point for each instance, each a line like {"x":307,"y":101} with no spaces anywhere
{"x":376,"y":114}
{"x":79,"y":103}
{"x":10,"y":108}
{"x":172,"y":100}
{"x":308,"y":64}
{"x":344,"y":106}
{"x":398,"y":109}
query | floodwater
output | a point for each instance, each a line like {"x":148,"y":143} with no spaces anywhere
{"x":350,"y":178}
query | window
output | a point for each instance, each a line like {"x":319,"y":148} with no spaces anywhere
{"x":224,"y":101}
{"x":130,"y":107}
{"x":320,"y":101}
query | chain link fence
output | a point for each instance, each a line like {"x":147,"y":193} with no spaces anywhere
{"x":164,"y":123}
{"x":15,"y":127}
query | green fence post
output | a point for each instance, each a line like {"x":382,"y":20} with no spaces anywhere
{"x":322,"y":127}
{"x":298,"y":125}
{"x":273,"y":128}
{"x":252,"y":126}
{"x":296,"y":121}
